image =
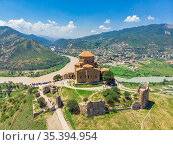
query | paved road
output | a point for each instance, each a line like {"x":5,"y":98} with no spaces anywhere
{"x":46,"y":78}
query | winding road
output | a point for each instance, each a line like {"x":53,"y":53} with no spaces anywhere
{"x":45,"y":78}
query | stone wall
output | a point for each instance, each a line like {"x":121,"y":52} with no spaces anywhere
{"x":93,"y":108}
{"x":88,"y":75}
{"x":143,"y":93}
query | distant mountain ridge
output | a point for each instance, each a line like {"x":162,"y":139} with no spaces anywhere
{"x":154,"y":37}
{"x":40,"y":40}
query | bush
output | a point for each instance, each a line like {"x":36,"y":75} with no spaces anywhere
{"x":42,"y":102}
{"x":85,"y":99}
{"x":57,"y":77}
{"x":108,"y":77}
{"x":73,"y":106}
{"x":24,"y":101}
{"x":112,"y":94}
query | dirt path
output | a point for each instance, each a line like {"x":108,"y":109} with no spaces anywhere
{"x":46,"y":78}
{"x":53,"y":122}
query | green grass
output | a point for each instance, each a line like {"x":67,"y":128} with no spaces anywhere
{"x":68,"y":116}
{"x":160,"y":117}
{"x":23,"y":118}
{"x":145,"y":69}
{"x":87,"y":86}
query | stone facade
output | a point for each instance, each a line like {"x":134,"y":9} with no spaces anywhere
{"x":143,"y":93}
{"x":93,"y":108}
{"x":86,"y":70}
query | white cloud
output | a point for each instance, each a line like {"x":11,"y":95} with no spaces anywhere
{"x":107,"y":21}
{"x":51,"y":29}
{"x":93,"y":31}
{"x":104,"y":28}
{"x":131,"y":19}
{"x":150,"y":18}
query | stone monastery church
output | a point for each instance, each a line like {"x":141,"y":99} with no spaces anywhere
{"x":86,"y":70}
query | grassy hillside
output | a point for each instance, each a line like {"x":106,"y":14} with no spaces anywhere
{"x":160,"y":116}
{"x":19,"y":53}
{"x":16,"y":112}
{"x":151,"y":38}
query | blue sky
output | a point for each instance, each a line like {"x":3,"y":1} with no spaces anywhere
{"x":77,"y":18}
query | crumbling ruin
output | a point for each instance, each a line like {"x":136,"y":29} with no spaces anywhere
{"x":143,"y":93}
{"x":93,"y":108}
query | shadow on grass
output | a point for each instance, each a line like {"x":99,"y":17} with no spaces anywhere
{"x":149,"y":105}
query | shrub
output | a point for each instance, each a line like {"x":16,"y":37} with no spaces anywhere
{"x":85,"y":99}
{"x":73,"y":106}
{"x":57,"y":77}
{"x":42,"y":102}
{"x":24,"y":101}
{"x":108,"y":77}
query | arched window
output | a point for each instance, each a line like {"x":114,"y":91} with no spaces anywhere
{"x":88,"y":77}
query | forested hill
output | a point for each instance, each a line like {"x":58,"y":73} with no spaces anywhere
{"x":154,"y":37}
{"x":20,"y":53}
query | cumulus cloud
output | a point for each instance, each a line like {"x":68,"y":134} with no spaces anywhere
{"x":150,"y":18}
{"x":51,"y":28}
{"x":103,"y":27}
{"x":107,"y":21}
{"x":131,"y":19}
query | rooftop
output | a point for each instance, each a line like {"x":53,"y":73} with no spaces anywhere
{"x":87,"y":65}
{"x":86,"y":54}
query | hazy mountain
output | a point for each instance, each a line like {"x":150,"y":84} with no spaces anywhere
{"x":18,"y":52}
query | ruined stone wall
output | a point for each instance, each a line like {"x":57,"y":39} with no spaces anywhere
{"x":143,"y":93}
{"x":93,"y":108}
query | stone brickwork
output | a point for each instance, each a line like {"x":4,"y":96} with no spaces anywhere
{"x":46,"y":90}
{"x":143,"y":93}
{"x":93,"y":108}
{"x":135,"y":106}
{"x":59,"y":102}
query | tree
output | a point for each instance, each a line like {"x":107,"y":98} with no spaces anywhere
{"x":85,"y":99}
{"x":42,"y":102}
{"x":108,"y":77}
{"x":57,"y":77}
{"x":73,"y":106}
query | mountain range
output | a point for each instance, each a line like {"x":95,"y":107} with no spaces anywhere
{"x":151,"y":38}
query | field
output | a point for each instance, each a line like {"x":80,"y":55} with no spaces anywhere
{"x":158,"y":116}
{"x":150,"y":67}
{"x":78,"y":95}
